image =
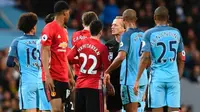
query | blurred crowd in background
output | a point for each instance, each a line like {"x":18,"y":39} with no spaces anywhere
{"x":184,"y":14}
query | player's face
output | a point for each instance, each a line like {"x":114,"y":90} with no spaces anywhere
{"x":117,"y":27}
{"x":66,"y":15}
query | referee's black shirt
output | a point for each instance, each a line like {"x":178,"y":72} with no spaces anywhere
{"x":113,"y":47}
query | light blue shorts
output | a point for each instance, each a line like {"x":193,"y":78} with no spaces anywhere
{"x":32,"y":96}
{"x":164,"y":94}
{"x":140,"y":109}
{"x":128,"y":96}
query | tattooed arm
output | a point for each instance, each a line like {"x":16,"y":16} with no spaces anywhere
{"x":144,"y":62}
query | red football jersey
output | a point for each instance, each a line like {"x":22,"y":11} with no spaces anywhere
{"x":57,"y":37}
{"x":77,"y":36}
{"x":93,"y":61}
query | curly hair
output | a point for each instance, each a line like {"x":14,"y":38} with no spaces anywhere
{"x":27,"y":21}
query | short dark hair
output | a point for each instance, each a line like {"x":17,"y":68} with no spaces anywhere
{"x":60,"y":6}
{"x":129,"y":15}
{"x":49,"y":18}
{"x":161,"y":13}
{"x":27,"y":21}
{"x":88,"y":17}
{"x":95,"y":27}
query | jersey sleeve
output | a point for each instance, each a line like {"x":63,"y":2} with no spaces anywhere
{"x":104,"y":58}
{"x":181,"y":45}
{"x":46,"y":36}
{"x":125,"y":43}
{"x":73,"y":53}
{"x":73,"y":38}
{"x":146,"y":42}
{"x":13,"y":49}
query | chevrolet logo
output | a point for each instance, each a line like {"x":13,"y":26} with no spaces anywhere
{"x":63,"y":45}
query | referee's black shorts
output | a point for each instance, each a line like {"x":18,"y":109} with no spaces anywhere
{"x":114,"y":103}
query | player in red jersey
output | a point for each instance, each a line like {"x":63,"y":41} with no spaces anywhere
{"x":87,"y":18}
{"x":54,"y":47}
{"x":93,"y":60}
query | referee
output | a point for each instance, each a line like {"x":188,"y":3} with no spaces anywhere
{"x":114,"y":103}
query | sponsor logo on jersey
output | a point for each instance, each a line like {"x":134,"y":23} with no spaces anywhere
{"x":63,"y":45}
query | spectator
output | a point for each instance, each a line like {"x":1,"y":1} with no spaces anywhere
{"x":110,"y":12}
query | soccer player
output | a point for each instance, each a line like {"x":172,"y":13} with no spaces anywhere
{"x":164,"y":47}
{"x":114,"y":103}
{"x":129,"y":55}
{"x":56,"y":73}
{"x":25,"y":54}
{"x":87,"y":18}
{"x":93,"y":61}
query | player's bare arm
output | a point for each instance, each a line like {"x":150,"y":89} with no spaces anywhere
{"x":144,"y":62}
{"x":181,"y":63}
{"x":71,"y":76}
{"x":114,"y":65}
{"x":45,"y":60}
{"x":16,"y":67}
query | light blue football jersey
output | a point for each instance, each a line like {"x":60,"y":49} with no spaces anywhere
{"x":131,"y":43}
{"x":163,"y":42}
{"x":27,"y":51}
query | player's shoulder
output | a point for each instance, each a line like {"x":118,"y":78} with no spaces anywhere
{"x":16,"y":40}
{"x":151,"y":30}
{"x":49,"y":25}
{"x":111,"y":42}
{"x":173,"y":28}
{"x":148,"y":32}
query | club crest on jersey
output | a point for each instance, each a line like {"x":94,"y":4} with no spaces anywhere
{"x":121,"y":44}
{"x":44,"y":37}
{"x":59,"y":36}
{"x":53,"y":94}
{"x":63,"y":45}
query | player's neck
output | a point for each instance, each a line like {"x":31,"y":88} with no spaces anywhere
{"x":60,"y":21}
{"x":131,"y":25}
{"x":117,"y":38}
{"x":30,"y":33}
{"x":95,"y":37}
{"x":161,"y":23}
{"x":86,"y":28}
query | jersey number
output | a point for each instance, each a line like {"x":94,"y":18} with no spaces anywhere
{"x":34,"y":50}
{"x":160,"y":59}
{"x":140,"y":49}
{"x":91,"y":69}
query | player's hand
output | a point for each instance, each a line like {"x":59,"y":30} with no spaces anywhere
{"x":110,"y":89}
{"x":49,"y":83}
{"x":106,"y":78}
{"x":71,"y":84}
{"x":136,"y":86}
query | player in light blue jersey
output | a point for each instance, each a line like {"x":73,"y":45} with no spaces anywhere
{"x":24,"y":54}
{"x":164,"y":48}
{"x":129,"y":56}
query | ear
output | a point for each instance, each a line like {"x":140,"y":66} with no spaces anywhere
{"x":154,"y":17}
